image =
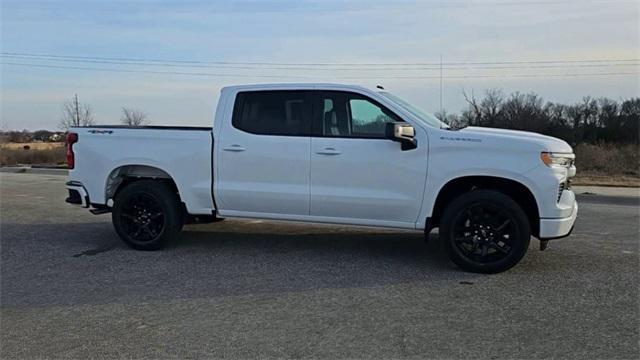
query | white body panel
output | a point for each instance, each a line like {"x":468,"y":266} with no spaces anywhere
{"x":367,"y":179}
{"x":183,"y":154}
{"x":364,"y":182}
{"x":267,"y":174}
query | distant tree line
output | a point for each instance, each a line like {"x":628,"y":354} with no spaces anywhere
{"x":588,"y":121}
{"x":592,"y":120}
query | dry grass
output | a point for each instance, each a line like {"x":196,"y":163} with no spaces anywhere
{"x":608,"y":159}
{"x":598,"y":179}
{"x":31,"y":145}
{"x":608,"y":165}
{"x":38,"y":153}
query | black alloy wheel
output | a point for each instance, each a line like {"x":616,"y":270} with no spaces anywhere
{"x":485,"y":231}
{"x":142,"y":218}
{"x":146,"y":214}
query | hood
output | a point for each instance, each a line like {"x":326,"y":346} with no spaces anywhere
{"x":547,"y":143}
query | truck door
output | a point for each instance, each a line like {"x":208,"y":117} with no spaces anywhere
{"x":357,"y":173}
{"x":263,"y":155}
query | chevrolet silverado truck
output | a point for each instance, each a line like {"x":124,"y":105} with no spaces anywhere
{"x":327,"y":153}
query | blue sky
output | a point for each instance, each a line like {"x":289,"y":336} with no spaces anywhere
{"x":306,"y":32}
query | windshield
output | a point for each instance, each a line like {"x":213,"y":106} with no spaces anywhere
{"x":417,"y":112}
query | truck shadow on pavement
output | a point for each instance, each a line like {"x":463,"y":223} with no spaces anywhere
{"x":88,"y":263}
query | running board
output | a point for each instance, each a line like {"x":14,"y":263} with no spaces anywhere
{"x":100,"y":211}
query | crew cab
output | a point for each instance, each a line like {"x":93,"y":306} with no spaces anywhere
{"x":329,"y":153}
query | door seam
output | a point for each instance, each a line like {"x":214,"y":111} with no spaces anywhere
{"x":310,"y":150}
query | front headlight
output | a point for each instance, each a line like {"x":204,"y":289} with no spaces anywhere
{"x":552,"y":159}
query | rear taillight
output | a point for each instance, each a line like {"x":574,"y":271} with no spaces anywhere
{"x":72,"y":138}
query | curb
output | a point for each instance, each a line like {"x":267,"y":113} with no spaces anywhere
{"x":30,"y":170}
{"x":598,"y":184}
{"x":606,"y":191}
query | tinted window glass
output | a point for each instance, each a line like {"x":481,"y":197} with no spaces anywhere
{"x":344,"y":114}
{"x":272,"y":113}
{"x":367,"y":118}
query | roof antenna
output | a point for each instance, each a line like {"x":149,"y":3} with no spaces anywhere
{"x":380,"y":87}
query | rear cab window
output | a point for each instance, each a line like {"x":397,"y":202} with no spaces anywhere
{"x":273,"y":112}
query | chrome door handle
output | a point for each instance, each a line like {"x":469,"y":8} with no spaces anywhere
{"x":328,"y":151}
{"x":234,"y":147}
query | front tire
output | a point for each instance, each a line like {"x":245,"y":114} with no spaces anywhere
{"x":485,"y":231}
{"x":146,"y":214}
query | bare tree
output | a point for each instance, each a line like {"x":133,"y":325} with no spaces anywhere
{"x":473,"y":115}
{"x":75,"y":114}
{"x":491,"y":104}
{"x":453,"y":120}
{"x":133,"y":117}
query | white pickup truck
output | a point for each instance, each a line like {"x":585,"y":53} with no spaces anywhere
{"x":328,"y":153}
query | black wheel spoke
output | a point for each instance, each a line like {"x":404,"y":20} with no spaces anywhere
{"x":155,"y":216}
{"x":482,"y":232}
{"x":485,"y":250}
{"x":464,"y":239}
{"x":503,"y":225}
{"x":149,"y":231}
{"x":142,"y":217}
{"x":130,"y":217}
{"x":138,"y":231}
{"x":504,"y":249}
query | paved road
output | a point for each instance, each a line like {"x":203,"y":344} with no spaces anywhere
{"x":243,"y":289}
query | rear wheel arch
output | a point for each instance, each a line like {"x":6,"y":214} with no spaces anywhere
{"x":517,"y":191}
{"x":124,"y":175}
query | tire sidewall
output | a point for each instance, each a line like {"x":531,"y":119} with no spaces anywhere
{"x":519,"y":246}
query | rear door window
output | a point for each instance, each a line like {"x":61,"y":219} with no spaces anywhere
{"x":273,"y":113}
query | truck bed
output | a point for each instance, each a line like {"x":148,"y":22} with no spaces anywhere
{"x":181,"y":152}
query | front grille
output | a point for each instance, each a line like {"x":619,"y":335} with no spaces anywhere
{"x":561,"y":188}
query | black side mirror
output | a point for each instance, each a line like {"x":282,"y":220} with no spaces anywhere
{"x":402,"y":133}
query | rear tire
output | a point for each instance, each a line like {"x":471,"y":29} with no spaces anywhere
{"x":146,"y":214}
{"x":485,"y":231}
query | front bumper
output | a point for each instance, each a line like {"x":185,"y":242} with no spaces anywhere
{"x":558,"y":228}
{"x":77,"y":194}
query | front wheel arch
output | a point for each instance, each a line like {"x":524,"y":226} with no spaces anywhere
{"x":517,"y":191}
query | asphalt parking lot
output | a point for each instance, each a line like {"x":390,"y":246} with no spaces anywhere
{"x":244,"y":289}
